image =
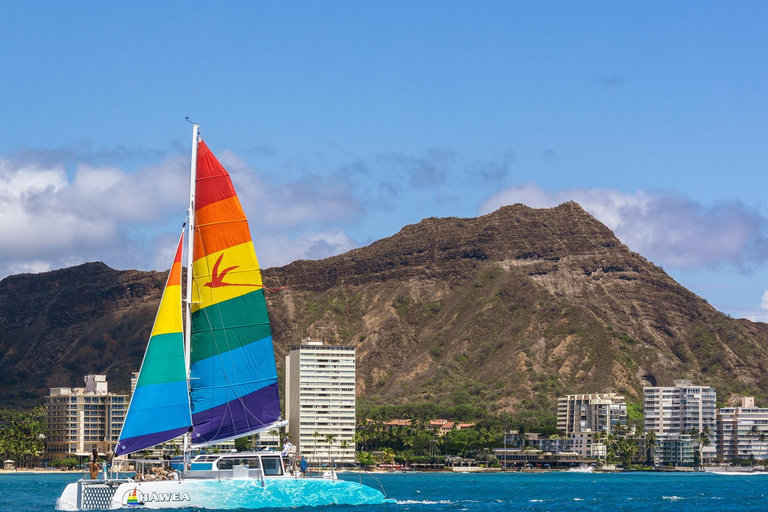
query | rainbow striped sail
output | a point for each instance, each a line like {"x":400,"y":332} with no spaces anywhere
{"x":233,"y":378}
{"x":159,"y":409}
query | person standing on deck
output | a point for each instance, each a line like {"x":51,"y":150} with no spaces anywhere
{"x":289,"y":452}
{"x":303,"y":466}
{"x":93,"y":464}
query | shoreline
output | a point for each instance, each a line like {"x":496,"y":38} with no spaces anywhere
{"x":41,"y":471}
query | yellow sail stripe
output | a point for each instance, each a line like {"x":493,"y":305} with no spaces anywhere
{"x":238,"y":281}
{"x":169,"y":313}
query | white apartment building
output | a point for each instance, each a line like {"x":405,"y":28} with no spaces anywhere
{"x":591,"y":412}
{"x":583,"y":443}
{"x":80,"y":419}
{"x":675,"y":410}
{"x":742,"y":431}
{"x":320,"y":401}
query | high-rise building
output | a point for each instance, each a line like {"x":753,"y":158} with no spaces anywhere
{"x":676,"y":410}
{"x":592,"y":412}
{"x":742,"y":431}
{"x":80,"y":419}
{"x":320,"y":401}
{"x":134,"y":381}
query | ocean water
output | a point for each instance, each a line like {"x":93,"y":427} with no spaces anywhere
{"x":434,"y":492}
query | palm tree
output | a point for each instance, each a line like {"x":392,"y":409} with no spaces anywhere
{"x":315,"y":435}
{"x":650,"y":443}
{"x":330,"y":438}
{"x":753,"y":433}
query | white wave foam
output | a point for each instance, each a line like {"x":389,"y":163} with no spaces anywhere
{"x":737,"y":473}
{"x":424,"y":502}
{"x":673,"y":498}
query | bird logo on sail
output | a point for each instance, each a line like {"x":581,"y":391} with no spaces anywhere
{"x":217,"y":279}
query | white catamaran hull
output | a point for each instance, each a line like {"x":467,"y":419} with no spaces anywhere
{"x":218,"y":494}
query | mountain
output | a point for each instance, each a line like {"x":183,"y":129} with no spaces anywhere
{"x":504,"y":311}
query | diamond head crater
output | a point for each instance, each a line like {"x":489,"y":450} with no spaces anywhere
{"x":472,"y":317}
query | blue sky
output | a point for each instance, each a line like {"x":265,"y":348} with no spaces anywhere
{"x":343,"y":121}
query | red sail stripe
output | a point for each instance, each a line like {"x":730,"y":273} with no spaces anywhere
{"x":213,"y":183}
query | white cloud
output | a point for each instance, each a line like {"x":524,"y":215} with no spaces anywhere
{"x":668,"y":228}
{"x":127,"y":219}
{"x":764,"y":301}
{"x":49,"y":221}
{"x":276,"y":250}
{"x":310,"y":200}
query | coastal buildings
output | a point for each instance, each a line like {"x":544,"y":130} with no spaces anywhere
{"x":674,"y":450}
{"x":742,"y":431}
{"x":439,"y":426}
{"x":584,"y":443}
{"x":320,"y":401}
{"x":80,"y":419}
{"x":534,"y":441}
{"x":516,"y":457}
{"x":672,"y":412}
{"x":591,"y":412}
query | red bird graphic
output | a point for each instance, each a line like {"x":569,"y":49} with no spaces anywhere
{"x":217,"y":280}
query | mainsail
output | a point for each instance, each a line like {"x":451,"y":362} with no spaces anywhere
{"x":233,"y":379}
{"x":159,"y":409}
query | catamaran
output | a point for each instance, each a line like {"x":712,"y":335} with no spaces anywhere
{"x":209,"y":375}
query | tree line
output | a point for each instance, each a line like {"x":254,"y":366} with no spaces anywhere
{"x":22,"y":435}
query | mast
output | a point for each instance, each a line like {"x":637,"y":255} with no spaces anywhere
{"x":190,"y":256}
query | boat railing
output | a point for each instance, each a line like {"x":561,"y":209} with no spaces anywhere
{"x":143,"y":470}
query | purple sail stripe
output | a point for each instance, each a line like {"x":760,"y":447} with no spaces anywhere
{"x":135,"y":444}
{"x":237,"y":417}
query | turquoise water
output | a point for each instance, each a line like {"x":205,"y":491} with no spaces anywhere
{"x":420,"y":492}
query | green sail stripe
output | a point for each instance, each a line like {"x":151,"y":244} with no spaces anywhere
{"x":164,"y":361}
{"x":228,"y":325}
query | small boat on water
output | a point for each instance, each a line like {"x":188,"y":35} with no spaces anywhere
{"x":209,"y":374}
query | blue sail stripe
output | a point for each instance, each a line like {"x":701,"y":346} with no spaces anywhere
{"x":232,"y":374}
{"x":157,"y":408}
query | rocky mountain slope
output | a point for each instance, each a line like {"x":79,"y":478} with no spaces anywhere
{"x":504,"y":311}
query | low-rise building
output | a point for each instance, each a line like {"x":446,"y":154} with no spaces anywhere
{"x":516,"y":457}
{"x":742,"y":431}
{"x":675,"y":450}
{"x":583,"y":443}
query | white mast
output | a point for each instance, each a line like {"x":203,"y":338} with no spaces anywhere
{"x":190,"y":255}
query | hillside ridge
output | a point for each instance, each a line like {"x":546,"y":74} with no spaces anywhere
{"x":503,"y":312}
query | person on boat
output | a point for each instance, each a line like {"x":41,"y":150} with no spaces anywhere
{"x":287,"y":448}
{"x":93,"y":464}
{"x":289,"y":453}
{"x":303,"y":466}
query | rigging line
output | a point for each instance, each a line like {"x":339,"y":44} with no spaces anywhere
{"x":221,"y":222}
{"x":287,"y":297}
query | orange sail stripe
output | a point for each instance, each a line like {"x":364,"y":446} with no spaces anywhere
{"x":174,"y":279}
{"x":220,"y":225}
{"x":213,"y":183}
